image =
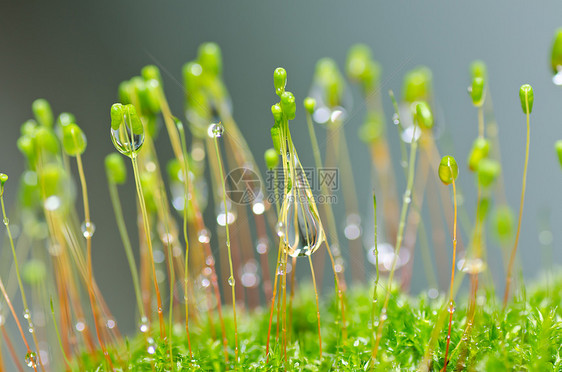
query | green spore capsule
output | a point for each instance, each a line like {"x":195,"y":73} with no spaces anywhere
{"x":276,"y":138}
{"x":210,"y":58}
{"x":279,"y":80}
{"x":477,"y":91}
{"x":124,"y":92}
{"x":28,"y":128}
{"x":448,"y":170}
{"x":526,"y":96}
{"x":480,"y":149}
{"x":372,"y":128}
{"x":423,"y":115}
{"x":288,"y":105}
{"x":26,"y":145}
{"x":277,"y":113}
{"x":361,"y":68}
{"x":52,"y":180}
{"x":175,"y":173}
{"x":503,"y":220}
{"x":46,"y":140}
{"x":558,"y":148}
{"x":34,"y":272}
{"x":556,"y":54}
{"x":309,"y":104}
{"x":73,"y":140}
{"x":127,"y":132}
{"x":65,"y":118}
{"x":271,"y":157}
{"x":3,"y":179}
{"x":478,"y":69}
{"x":417,"y":85}
{"x":42,"y":111}
{"x":483,"y":209}
{"x":330,"y":81}
{"x":115,"y":168}
{"x":150,"y":72}
{"x":488,"y":170}
{"x":153,"y":96}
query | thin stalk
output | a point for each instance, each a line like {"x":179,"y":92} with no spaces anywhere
{"x":114,"y":195}
{"x":185,"y":234}
{"x":317,"y":305}
{"x":66,"y":360}
{"x":3,"y":290}
{"x":514,"y":250}
{"x":451,"y":293}
{"x":231,"y":280}
{"x":90,"y":281}
{"x":146,"y":224}
{"x":405,"y":203}
{"x":273,"y":299}
{"x":20,"y":283}
{"x":377,"y":271}
{"x":481,"y":122}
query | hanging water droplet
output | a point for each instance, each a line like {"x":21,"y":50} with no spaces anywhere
{"x":231,"y":281}
{"x":396,"y":119}
{"x":144,"y":324}
{"x":88,"y":229}
{"x":125,"y":141}
{"x":6,"y":221}
{"x":215,"y":130}
{"x":204,"y":236}
{"x":31,"y":359}
{"x":27,"y":314}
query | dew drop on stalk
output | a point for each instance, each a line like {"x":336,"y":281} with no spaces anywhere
{"x":204,"y":236}
{"x":395,"y":119}
{"x":31,"y":359}
{"x":88,"y":229}
{"x":27,"y":314}
{"x":144,"y":324}
{"x":281,"y":269}
{"x":125,"y":141}
{"x":6,"y":221}
{"x":215,"y":130}
{"x":231,"y":281}
{"x":280,"y":228}
{"x":451,"y":308}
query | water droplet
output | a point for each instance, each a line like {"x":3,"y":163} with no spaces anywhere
{"x":52,"y":203}
{"x":231,"y":281}
{"x":204,"y":236}
{"x":110,"y":324}
{"x":352,"y":229}
{"x":396,"y":119}
{"x":280,"y":228}
{"x":80,"y":326}
{"x":6,"y":221}
{"x":27,"y":314}
{"x":215,"y":130}
{"x":144,"y":324}
{"x":557,"y":79}
{"x":31,"y":359}
{"x":258,"y":208}
{"x":281,"y":269}
{"x":88,"y":229}
{"x":451,"y":309}
{"x":262,"y":246}
{"x":125,"y":141}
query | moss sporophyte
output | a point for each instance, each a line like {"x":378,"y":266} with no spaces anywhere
{"x":215,"y":276}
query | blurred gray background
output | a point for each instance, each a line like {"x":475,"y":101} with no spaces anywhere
{"x":75,"y":54}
